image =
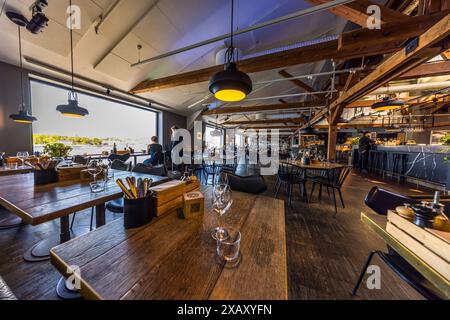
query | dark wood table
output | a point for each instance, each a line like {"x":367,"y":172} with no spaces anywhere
{"x":174,"y":258}
{"x":7,"y":219}
{"x":9,"y":170}
{"x":377,"y":224}
{"x":40,"y":204}
{"x":316,"y":166}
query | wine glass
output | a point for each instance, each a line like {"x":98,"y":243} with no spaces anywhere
{"x":106,"y":167}
{"x":94,"y":168}
{"x":221,"y":204}
{"x":22,"y":157}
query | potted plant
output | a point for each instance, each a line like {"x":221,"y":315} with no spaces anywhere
{"x":445,"y":140}
{"x":57,"y":150}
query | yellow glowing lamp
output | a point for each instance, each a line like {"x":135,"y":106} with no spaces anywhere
{"x":388,"y":104}
{"x":230,"y":85}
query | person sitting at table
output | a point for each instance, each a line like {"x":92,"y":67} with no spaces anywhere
{"x":155,"y":151}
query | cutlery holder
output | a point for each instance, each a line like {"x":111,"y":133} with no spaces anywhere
{"x":138,"y":212}
{"x":42,"y":177}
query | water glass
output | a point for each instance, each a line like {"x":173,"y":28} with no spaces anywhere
{"x":228,"y":250}
{"x":22,"y":156}
{"x":98,"y":186}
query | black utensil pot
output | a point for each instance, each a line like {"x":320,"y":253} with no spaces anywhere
{"x":42,"y":177}
{"x":424,"y":216}
{"x":138,"y":212}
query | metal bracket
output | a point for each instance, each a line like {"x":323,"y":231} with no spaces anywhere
{"x":412,"y":45}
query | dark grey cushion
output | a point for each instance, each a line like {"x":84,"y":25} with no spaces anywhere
{"x":5,"y":291}
{"x":251,"y":184}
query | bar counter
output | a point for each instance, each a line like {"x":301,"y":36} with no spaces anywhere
{"x":430,"y":163}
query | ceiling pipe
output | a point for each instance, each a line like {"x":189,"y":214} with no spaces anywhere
{"x":412,"y":87}
{"x":290,"y":95}
{"x":104,"y":17}
{"x":294,"y":15}
{"x":309,"y":76}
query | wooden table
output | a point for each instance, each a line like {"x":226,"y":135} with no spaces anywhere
{"x":315,"y":166}
{"x":377,"y":224}
{"x":40,"y":204}
{"x":7,"y":219}
{"x":9,"y":170}
{"x":174,"y":258}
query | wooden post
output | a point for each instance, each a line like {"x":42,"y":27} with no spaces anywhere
{"x":332,"y":138}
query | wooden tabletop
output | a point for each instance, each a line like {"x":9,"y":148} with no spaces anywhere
{"x":316,"y":165}
{"x":377,"y":223}
{"x":39,"y":204}
{"x":11,"y":170}
{"x":174,"y":258}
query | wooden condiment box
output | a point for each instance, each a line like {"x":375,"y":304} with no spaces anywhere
{"x":432,"y":246}
{"x":169,"y":196}
{"x":70,"y":173}
{"x":194,"y":204}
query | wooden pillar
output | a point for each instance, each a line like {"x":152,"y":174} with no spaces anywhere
{"x":332,"y":139}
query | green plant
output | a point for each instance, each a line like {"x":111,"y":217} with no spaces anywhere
{"x":57,"y":150}
{"x":355,"y":141}
{"x":446,"y":139}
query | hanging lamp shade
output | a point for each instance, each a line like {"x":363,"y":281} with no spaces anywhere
{"x":230,"y":85}
{"x":22,"y":117}
{"x":308,"y":131}
{"x":72,"y":109}
{"x":388,"y":104}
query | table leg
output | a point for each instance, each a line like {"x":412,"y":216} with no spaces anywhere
{"x":64,"y":234}
{"x":9,"y":220}
{"x":100,"y":219}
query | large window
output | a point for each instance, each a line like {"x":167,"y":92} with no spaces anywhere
{"x":213,"y":138}
{"x":108,"y":122}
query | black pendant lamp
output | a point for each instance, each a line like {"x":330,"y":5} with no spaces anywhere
{"x":308,"y":131}
{"x":230,"y":85}
{"x":388,"y":103}
{"x":22,"y":116}
{"x":72,"y":109}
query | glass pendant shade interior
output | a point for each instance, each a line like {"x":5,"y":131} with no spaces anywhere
{"x":72,"y":109}
{"x":230,"y":85}
{"x":388,"y":104}
{"x":23,"y":115}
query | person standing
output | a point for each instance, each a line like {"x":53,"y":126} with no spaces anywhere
{"x":365,"y":144}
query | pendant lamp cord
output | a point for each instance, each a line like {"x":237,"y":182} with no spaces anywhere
{"x":73,"y":94}
{"x":229,"y":55}
{"x":22,"y":96}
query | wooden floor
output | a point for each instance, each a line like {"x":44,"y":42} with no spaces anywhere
{"x":325,"y":253}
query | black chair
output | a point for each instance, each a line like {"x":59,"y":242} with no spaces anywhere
{"x":290,"y":175}
{"x":333,"y":179}
{"x":81,"y":160}
{"x":211,"y":168}
{"x":120,"y":165}
{"x":153,"y":170}
{"x":116,"y":205}
{"x":381,"y":201}
{"x":5,"y":291}
{"x":399,"y":162}
{"x":250,"y":184}
{"x":121,"y":157}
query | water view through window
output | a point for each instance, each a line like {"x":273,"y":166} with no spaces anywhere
{"x":108,"y":122}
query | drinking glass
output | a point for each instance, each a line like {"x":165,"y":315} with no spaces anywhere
{"x":94,"y":168}
{"x":22,"y":156}
{"x":228,"y":250}
{"x":98,"y":186}
{"x":221,"y":204}
{"x":106,"y":166}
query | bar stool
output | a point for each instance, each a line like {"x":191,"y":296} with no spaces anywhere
{"x":399,"y":162}
{"x":372,"y":161}
{"x":381,"y":161}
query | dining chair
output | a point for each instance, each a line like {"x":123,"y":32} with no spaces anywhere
{"x":332,"y":180}
{"x":81,"y":160}
{"x":116,"y":205}
{"x":122,"y":157}
{"x":290,"y":175}
{"x":381,"y":201}
{"x":211,"y":168}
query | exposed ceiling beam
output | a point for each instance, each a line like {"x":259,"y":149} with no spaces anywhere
{"x":266,"y":121}
{"x":302,"y":85}
{"x":260,"y":108}
{"x":393,"y":67}
{"x":356,"y":12}
{"x":392,"y":31}
{"x":433,"y":69}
